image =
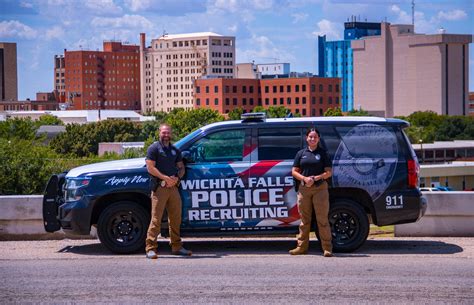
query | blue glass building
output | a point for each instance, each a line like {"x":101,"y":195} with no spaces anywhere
{"x":335,"y":57}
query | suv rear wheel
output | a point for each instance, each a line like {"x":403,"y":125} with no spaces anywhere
{"x":349,"y":225}
{"x":122,"y":227}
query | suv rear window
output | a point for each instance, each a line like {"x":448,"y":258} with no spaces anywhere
{"x":369,"y":141}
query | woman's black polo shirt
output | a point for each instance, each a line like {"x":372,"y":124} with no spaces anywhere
{"x":312,"y":163}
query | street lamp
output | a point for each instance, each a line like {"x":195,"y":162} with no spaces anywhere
{"x":422,"y":156}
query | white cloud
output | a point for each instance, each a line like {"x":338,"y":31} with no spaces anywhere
{"x":134,"y":21}
{"x":332,"y":30}
{"x":14,"y":28}
{"x":100,"y":7}
{"x":26,"y":4}
{"x":233,"y":28}
{"x":402,"y":16}
{"x":298,"y":17}
{"x":453,"y":15}
{"x":241,"y":5}
{"x":138,"y":5}
{"x":262,"y":49}
{"x":55,"y":32}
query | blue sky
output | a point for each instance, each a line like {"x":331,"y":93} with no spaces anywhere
{"x":265,"y":30}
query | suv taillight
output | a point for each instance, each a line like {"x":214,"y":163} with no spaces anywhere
{"x":413,"y":171}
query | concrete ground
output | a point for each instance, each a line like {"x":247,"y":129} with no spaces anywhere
{"x":236,"y":270}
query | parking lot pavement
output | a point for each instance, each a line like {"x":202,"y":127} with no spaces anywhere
{"x":237,"y":270}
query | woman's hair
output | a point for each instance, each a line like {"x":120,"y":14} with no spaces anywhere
{"x":311,"y":130}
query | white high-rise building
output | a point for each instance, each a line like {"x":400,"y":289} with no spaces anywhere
{"x":171,"y":64}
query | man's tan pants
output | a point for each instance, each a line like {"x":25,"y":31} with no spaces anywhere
{"x":170,"y":199}
{"x":316,"y":197}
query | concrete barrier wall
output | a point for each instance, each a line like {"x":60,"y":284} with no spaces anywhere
{"x":21,"y":218}
{"x":447,"y":214}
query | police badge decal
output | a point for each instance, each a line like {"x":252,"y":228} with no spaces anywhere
{"x":368,"y":158}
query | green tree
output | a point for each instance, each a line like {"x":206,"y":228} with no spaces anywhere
{"x":277,"y":112}
{"x":360,"y":112}
{"x":21,"y":128}
{"x":83,"y":140}
{"x":184,"y":121}
{"x":48,"y":119}
{"x":235,"y":113}
{"x":333,"y":112}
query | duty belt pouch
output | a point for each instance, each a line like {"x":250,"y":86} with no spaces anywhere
{"x":154,"y":183}
{"x":318,"y":183}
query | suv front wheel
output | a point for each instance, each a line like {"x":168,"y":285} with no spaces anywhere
{"x":122,"y":227}
{"x":349,"y":225}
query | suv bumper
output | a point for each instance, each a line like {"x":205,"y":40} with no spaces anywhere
{"x":75,"y":217}
{"x":423,"y":206}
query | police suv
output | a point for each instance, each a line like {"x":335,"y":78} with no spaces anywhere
{"x":238,"y":182}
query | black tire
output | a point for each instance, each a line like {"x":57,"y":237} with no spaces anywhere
{"x":349,"y":225}
{"x":122,"y":227}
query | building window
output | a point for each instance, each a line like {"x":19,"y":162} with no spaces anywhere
{"x":207,"y":89}
{"x":244,"y":101}
{"x":234,"y":101}
{"x":304,"y":99}
{"x":330,"y":100}
{"x":227,"y":89}
{"x":207,"y":102}
{"x":250,"y":89}
{"x":251,"y":101}
{"x":216,"y":89}
{"x":288,"y":100}
{"x":282,"y":101}
{"x":330,"y":88}
{"x":267,"y":89}
{"x":337,"y":100}
{"x":267,"y":101}
{"x":234,"y":89}
{"x":288,"y":88}
{"x":216,"y":101}
{"x":313,"y":100}
{"x":320,"y":88}
{"x":274,"y":101}
{"x":320,"y":100}
{"x":297,"y":100}
{"x":244,"y":89}
{"x":304,"y":111}
{"x":303,"y":88}
{"x":198,"y":102}
{"x":297,"y":88}
{"x":274,"y":89}
{"x":227,"y":101}
{"x":337,"y":87}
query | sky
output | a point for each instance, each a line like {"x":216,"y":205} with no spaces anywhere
{"x":266,"y":31}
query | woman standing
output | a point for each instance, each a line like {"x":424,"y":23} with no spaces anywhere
{"x":311,"y":167}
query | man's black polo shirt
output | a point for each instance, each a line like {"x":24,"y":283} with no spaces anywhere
{"x":312,"y":163}
{"x":165,"y":158}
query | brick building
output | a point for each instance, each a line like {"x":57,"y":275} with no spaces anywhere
{"x":172,"y":62}
{"x":310,"y":96}
{"x":108,"y":79}
{"x":8,"y":72}
{"x":44,"y":101}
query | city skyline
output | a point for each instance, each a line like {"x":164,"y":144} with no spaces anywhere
{"x":266,"y":31}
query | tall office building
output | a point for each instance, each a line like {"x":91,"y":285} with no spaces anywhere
{"x":335,"y":57}
{"x":59,"y":78}
{"x":171,"y":64}
{"x":400,"y":72}
{"x":108,"y":79}
{"x":8,"y":72}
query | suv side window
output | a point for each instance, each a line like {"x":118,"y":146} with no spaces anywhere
{"x":220,"y":146}
{"x":278,"y":143}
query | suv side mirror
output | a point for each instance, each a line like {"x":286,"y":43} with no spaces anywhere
{"x":187,"y":156}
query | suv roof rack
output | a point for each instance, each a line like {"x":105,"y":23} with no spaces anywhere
{"x":253,"y":117}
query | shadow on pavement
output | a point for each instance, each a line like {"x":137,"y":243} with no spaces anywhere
{"x":219,"y":248}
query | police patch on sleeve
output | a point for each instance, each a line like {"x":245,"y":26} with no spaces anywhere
{"x":367,"y":157}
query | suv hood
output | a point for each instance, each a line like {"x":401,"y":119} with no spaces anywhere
{"x":106,"y":166}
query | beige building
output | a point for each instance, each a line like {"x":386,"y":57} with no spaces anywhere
{"x":8,"y":72}
{"x":400,"y":72}
{"x":171,"y":64}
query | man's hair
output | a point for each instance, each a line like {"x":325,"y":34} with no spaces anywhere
{"x":163,"y":125}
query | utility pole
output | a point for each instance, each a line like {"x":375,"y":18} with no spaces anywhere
{"x":413,"y":14}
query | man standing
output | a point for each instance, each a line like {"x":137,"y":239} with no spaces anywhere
{"x":165,"y":166}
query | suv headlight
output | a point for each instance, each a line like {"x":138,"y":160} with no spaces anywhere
{"x":73,"y":188}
